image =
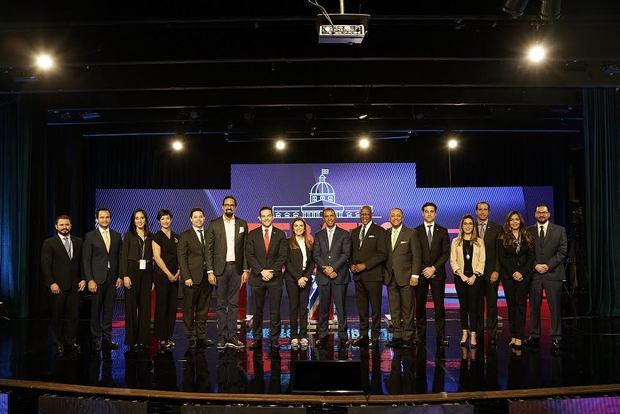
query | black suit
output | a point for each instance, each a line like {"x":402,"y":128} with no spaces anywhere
{"x":437,"y":255}
{"x":102,"y":267}
{"x":403,"y":261}
{"x":489,"y":289}
{"x":512,"y":261}
{"x":335,"y":255}
{"x":228,"y":274}
{"x":65,"y":271}
{"x":258,"y":260}
{"x":372,"y":251}
{"x":191,"y":252}
{"x":298,"y":297}
{"x":550,"y":251}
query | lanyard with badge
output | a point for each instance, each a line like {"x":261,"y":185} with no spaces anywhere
{"x":142,"y":262}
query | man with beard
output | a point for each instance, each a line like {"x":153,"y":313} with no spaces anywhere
{"x":227,"y":269}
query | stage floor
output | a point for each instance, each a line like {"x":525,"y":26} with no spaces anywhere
{"x":590,"y":356}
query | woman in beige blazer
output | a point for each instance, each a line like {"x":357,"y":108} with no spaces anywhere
{"x":467,"y":259}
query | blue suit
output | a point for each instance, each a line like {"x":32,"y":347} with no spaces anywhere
{"x":337,"y":256}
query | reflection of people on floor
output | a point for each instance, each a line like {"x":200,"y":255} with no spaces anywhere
{"x":491,"y":381}
{"x":471,"y":370}
{"x":515,"y":372}
{"x":231,"y":376}
{"x":100,"y":365}
{"x":256,"y":384}
{"x":196,"y":373}
{"x":275,"y":376}
{"x":138,"y":370}
{"x":420,"y":381}
{"x":371,"y":371}
{"x":65,"y":368}
{"x":164,"y":371}
{"x":439,"y":379}
{"x":401,"y":380}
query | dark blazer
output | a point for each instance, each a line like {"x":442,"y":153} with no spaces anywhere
{"x":553,"y":252}
{"x":294,"y":263}
{"x":192,"y":256}
{"x":56,"y":265}
{"x":217,"y":246}
{"x":130,"y":250}
{"x":372,"y":253}
{"x":95,"y":257}
{"x":259,"y":260}
{"x":336,"y":257}
{"x":406,"y":258}
{"x":439,"y":253}
{"x":511,"y":261}
{"x":491,"y":244}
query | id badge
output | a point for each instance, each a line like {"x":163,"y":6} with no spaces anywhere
{"x":142,"y":264}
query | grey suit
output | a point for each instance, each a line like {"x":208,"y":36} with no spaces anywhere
{"x":404,"y":259}
{"x":228,"y":274}
{"x":552,"y":253}
{"x":337,"y":256}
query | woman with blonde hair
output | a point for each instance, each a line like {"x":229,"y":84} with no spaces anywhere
{"x":467,"y":259}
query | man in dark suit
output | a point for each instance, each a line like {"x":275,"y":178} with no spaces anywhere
{"x":368,"y":253}
{"x":332,"y":248}
{"x":227,"y":269}
{"x":265,"y":252}
{"x":61,"y":263}
{"x":100,"y":258}
{"x":192,"y":254}
{"x":435,"y":248}
{"x":550,"y":242}
{"x":489,"y":231}
{"x":402,"y":273}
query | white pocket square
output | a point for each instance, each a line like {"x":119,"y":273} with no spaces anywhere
{"x":241,"y":229}
{"x":370,"y":236}
{"x":403,"y":242}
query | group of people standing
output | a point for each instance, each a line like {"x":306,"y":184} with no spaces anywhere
{"x":224,"y":255}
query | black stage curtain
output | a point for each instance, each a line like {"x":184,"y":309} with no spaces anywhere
{"x":601,"y":109}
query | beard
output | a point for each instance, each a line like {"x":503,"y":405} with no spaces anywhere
{"x":229,"y":213}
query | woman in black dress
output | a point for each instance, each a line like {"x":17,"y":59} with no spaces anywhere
{"x":298,"y":279}
{"x":166,"y":278}
{"x":516,"y":258}
{"x":136,"y":269}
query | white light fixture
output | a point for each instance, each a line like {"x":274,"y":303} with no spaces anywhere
{"x":280,"y":145}
{"x":364,"y":143}
{"x":452,"y":143}
{"x":536,"y":53}
{"x":177,"y":145}
{"x":44,"y":62}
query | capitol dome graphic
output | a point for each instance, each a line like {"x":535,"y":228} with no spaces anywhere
{"x":322,"y":195}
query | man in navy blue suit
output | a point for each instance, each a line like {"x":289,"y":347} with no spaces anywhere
{"x":332,"y":248}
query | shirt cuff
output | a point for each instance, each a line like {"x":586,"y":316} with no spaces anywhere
{"x":209,"y":272}
{"x":415,"y":276}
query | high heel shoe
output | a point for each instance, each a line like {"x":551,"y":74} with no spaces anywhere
{"x":464,"y":342}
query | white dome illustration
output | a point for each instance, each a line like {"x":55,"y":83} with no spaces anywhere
{"x":322,"y":191}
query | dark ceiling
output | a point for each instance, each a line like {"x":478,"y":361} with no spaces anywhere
{"x":251,"y":70}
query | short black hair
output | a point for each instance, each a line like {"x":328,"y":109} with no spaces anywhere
{"x":231,"y":197}
{"x":543,"y":205}
{"x":195,"y":209}
{"x":99,"y":210}
{"x":63,"y":217}
{"x":265,"y":208}
{"x":483,"y":202}
{"x":429,"y":204}
{"x":163,"y":212}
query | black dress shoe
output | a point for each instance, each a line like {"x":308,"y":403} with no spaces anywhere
{"x":344,"y":343}
{"x":275,"y":346}
{"x":60,"y":349}
{"x":361,"y":342}
{"x":373,"y":344}
{"x":442,"y":342}
{"x":321,"y":343}
{"x":532,"y":342}
{"x":192,"y":345}
{"x":221,"y":344}
{"x":205,"y":343}
{"x":135,"y":348}
{"x":556,"y":345}
{"x":257,"y":344}
{"x":97,"y":344}
{"x":492,"y":340}
{"x":75,"y":348}
{"x":420,"y":340}
{"x":406,"y":344}
{"x":110,"y":344}
{"x":394,"y":343}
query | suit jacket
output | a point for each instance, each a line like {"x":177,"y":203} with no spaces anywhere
{"x":439,"y":251}
{"x":217,"y":246}
{"x":95,"y":257}
{"x":294,"y":263}
{"x":192,"y":256}
{"x":56,"y":265}
{"x":553,"y":252}
{"x":511,"y":261}
{"x":491,"y":244}
{"x":478,"y":259}
{"x":372,"y":252}
{"x":406,"y":258}
{"x":336,"y":257}
{"x":259,"y":260}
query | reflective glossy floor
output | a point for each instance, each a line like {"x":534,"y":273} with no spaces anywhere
{"x":590,"y":356}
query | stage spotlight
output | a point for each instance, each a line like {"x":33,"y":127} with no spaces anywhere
{"x":452,"y":143}
{"x":44,"y":62}
{"x":280,"y":145}
{"x":536,"y":53}
{"x":550,"y":9}
{"x":515,"y":8}
{"x":177,"y":145}
{"x":362,"y":116}
{"x":364,"y":143}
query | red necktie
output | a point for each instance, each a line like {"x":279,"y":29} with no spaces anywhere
{"x":266,"y":239}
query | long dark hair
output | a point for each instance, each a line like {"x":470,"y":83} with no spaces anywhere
{"x":474,"y":234}
{"x":132,"y":225}
{"x":507,"y":237}
{"x":293,"y":241}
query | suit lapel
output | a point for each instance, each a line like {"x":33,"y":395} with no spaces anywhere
{"x":61,"y":246}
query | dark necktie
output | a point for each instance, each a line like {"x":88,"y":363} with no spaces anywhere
{"x":542,"y":236}
{"x":362,"y":234}
{"x":429,"y":235}
{"x":202,"y":238}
